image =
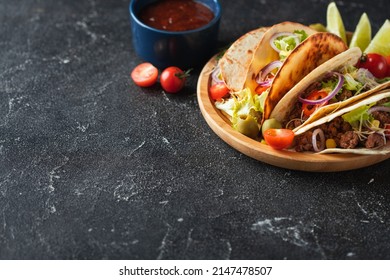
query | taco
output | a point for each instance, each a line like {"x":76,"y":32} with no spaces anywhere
{"x":331,"y":86}
{"x":311,"y":53}
{"x":235,"y":62}
{"x":276,"y":45}
{"x":362,"y":127}
{"x":298,"y":62}
{"x":252,"y":51}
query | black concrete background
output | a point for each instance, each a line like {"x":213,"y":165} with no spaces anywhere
{"x":94,"y":167}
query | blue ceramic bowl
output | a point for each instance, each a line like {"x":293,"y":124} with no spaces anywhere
{"x":185,"y":49}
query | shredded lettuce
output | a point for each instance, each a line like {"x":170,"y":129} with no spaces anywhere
{"x":286,"y":44}
{"x":301,"y":34}
{"x":350,"y":81}
{"x":351,"y":84}
{"x":328,"y":85}
{"x":365,"y":78}
{"x":384,"y":80}
{"x":242,"y":103}
{"x":358,"y":115}
{"x":226,"y":106}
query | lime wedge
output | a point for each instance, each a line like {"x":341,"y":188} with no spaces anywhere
{"x":381,"y":42}
{"x":334,"y":22}
{"x":362,"y":35}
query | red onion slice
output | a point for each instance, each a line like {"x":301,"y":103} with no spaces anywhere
{"x":338,"y":86}
{"x":261,"y":77}
{"x":378,"y":108}
{"x":277,"y":35}
{"x":266,"y":83}
{"x":320,"y":133}
{"x":215,"y":75}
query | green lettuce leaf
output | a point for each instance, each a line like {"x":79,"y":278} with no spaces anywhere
{"x":351,"y":84}
{"x":226,"y":105}
{"x":387,"y":104}
{"x":301,"y":34}
{"x":358,"y":115}
{"x":242,"y":103}
{"x":286,"y":44}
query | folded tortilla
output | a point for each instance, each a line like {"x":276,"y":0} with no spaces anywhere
{"x":372,"y":99}
{"x":235,"y":63}
{"x":307,"y":56}
{"x":283,"y":108}
{"x":350,"y":57}
{"x":264,"y":53}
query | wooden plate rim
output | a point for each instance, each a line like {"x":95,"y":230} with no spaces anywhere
{"x":285,"y":159}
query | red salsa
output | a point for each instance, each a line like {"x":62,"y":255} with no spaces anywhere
{"x":176,"y":15}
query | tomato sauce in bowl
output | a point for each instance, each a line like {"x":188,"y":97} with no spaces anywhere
{"x":182,"y":33}
{"x":176,"y":15}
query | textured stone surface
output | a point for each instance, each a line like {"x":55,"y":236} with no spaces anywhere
{"x":93,"y":167}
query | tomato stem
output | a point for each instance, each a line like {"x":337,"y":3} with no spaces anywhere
{"x":363,"y":58}
{"x":184,"y":74}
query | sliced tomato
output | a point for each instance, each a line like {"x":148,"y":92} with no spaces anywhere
{"x":309,"y":109}
{"x":279,"y":138}
{"x":260,"y":89}
{"x":145,"y":74}
{"x":218,"y":91}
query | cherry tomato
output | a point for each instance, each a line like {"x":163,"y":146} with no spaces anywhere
{"x":218,"y":91}
{"x":145,"y":74}
{"x":173,"y":79}
{"x":375,"y":63}
{"x":388,"y":65}
{"x":315,"y":95}
{"x":279,"y":138}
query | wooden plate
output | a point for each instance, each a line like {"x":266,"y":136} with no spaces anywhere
{"x":285,"y":159}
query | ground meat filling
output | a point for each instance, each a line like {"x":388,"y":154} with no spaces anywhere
{"x":349,"y":140}
{"x":332,"y":130}
{"x":382,"y":117}
{"x":344,"y":95}
{"x":375,"y":141}
{"x":303,"y":142}
{"x":295,"y":118}
{"x":344,"y":135}
{"x":296,"y":113}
